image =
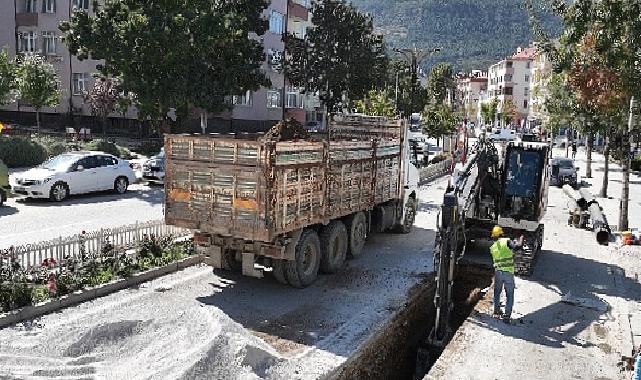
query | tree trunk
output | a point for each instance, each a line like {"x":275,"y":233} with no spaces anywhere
{"x":588,"y":164}
{"x":625,"y":164}
{"x":606,"y":168}
{"x":37,"y":121}
{"x":104,"y":128}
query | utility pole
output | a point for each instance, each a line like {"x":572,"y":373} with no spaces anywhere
{"x":284,"y":39}
{"x":415,"y":56}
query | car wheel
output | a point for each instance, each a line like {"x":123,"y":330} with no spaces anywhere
{"x":59,"y":192}
{"x":121,"y":184}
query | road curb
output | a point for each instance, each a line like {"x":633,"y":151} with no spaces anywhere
{"x":31,"y":312}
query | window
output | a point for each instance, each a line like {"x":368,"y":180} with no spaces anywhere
{"x":27,"y":42}
{"x":243,"y":100}
{"x":49,"y":43}
{"x":294,"y":98}
{"x":273,"y":99}
{"x":525,"y":104}
{"x":81,"y":4}
{"x":276,"y":22}
{"x":509,"y":64}
{"x":30,"y":6}
{"x":48,"y":6}
{"x":107,"y":161}
{"x":508,"y":90}
{"x":80,"y":83}
{"x":527,"y":78}
{"x":527,"y":64}
{"x":508,"y":78}
{"x":526,"y":91}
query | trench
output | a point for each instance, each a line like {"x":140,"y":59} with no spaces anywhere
{"x":392,"y":352}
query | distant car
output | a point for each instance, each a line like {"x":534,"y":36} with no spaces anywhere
{"x":153,"y":170}
{"x":5,"y":188}
{"x":314,"y":126}
{"x":529,"y":137}
{"x":564,"y":172}
{"x":502,"y":134}
{"x":74,"y":173}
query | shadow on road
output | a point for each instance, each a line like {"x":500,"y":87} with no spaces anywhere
{"x":153,"y":195}
{"x":7,"y":210}
{"x":560,"y":323}
{"x":368,"y":287}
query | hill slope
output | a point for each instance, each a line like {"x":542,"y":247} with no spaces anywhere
{"x":472,"y":33}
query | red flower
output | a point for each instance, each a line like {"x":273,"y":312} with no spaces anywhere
{"x":45,"y":263}
{"x":53,"y":261}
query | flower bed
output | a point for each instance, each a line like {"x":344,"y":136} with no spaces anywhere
{"x":20,"y":287}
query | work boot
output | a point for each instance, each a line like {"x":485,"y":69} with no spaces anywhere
{"x":497,"y":314}
{"x":506,"y":318}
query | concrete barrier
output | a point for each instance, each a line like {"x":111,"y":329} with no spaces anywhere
{"x":434,"y":171}
{"x":31,"y":312}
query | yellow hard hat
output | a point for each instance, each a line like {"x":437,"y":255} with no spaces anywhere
{"x":497,"y":231}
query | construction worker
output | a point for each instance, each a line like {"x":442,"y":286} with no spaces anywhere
{"x":503,"y":257}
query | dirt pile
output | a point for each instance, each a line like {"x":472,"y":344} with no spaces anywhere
{"x":287,"y":130}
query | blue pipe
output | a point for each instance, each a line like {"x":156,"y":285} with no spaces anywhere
{"x":637,"y":368}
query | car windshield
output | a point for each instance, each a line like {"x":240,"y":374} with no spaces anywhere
{"x":566,"y":164}
{"x":60,"y":163}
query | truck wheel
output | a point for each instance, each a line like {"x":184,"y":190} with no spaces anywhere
{"x":410,"y":216}
{"x":303,"y":270}
{"x":357,"y":231}
{"x":333,"y":247}
{"x":230,"y":262}
{"x":278,"y":270}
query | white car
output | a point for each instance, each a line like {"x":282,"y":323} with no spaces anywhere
{"x":503,"y":134}
{"x":153,"y":170}
{"x":74,"y":173}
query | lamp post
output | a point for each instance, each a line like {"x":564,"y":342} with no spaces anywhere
{"x":415,"y":56}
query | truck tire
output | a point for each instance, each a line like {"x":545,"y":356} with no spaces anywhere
{"x":278,"y":270}
{"x":333,"y":247}
{"x":357,"y":232}
{"x":231,"y":262}
{"x":303,"y":270}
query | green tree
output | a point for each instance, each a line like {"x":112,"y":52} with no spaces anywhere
{"x":38,"y":83}
{"x":377,"y":103}
{"x":179,"y":54}
{"x":438,"y":120}
{"x":103,"y":99}
{"x":509,"y":111}
{"x":341,"y":58}
{"x":441,"y":82}
{"x":399,"y":72}
{"x":8,"y":83}
{"x":489,"y":111}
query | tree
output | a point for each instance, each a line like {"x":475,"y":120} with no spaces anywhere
{"x":441,"y":82}
{"x":103,"y":99}
{"x":399,"y":72}
{"x":8,"y":83}
{"x":489,"y":111}
{"x":509,"y":111}
{"x":377,"y":103}
{"x":341,"y":58}
{"x":438,"y":120}
{"x":37,"y":83}
{"x":174,"y":54}
{"x":610,"y":31}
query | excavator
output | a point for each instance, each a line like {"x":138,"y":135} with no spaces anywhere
{"x":500,"y":184}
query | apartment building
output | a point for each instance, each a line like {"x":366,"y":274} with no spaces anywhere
{"x":510,"y":81}
{"x":470,"y":86}
{"x":31,"y":26}
{"x":542,"y":68}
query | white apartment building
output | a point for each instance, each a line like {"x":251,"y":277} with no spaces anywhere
{"x":541,"y":70}
{"x":510,"y":81}
{"x":31,"y":26}
{"x":470,"y":86}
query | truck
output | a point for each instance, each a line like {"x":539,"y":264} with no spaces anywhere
{"x":290,"y":203}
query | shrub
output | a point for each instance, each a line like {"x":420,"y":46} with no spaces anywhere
{"x":149,"y":148}
{"x":636,"y":164}
{"x":108,"y":147}
{"x":19,"y":152}
{"x":53,"y":146}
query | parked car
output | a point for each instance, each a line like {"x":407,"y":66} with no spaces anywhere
{"x":564,"y":172}
{"x":5,"y":188}
{"x":153,"y":170}
{"x":502,"y":134}
{"x":314,"y":126}
{"x":74,"y":173}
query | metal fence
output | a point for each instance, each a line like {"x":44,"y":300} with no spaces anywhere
{"x":124,"y":237}
{"x":435,"y":170}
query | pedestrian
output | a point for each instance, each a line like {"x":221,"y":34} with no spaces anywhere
{"x":573,"y":150}
{"x":503,"y":257}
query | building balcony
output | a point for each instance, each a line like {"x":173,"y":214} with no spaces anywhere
{"x":26,"y":19}
{"x":298,"y":11}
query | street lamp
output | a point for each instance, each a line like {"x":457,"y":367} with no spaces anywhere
{"x":415,"y":56}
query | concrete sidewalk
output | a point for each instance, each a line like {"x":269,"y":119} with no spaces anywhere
{"x":575,"y":317}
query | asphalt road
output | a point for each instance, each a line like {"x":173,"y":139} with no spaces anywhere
{"x":33,"y":220}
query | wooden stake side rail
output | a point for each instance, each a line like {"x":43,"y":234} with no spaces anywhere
{"x":257,"y":191}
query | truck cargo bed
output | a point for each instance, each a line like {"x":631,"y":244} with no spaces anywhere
{"x":257,"y":190}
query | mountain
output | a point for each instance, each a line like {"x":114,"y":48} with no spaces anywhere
{"x":471,"y":33}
